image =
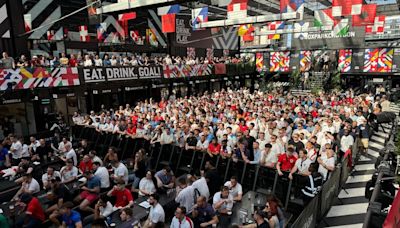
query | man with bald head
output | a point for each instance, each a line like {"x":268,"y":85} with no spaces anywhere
{"x":203,"y":213}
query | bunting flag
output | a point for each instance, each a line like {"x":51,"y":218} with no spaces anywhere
{"x":28,"y":22}
{"x":151,"y":38}
{"x":323,"y":18}
{"x":291,"y":6}
{"x":305,"y":60}
{"x":246,"y":32}
{"x":342,"y":27}
{"x":126,"y":16}
{"x":237,"y":9}
{"x":279,"y":61}
{"x":243,"y":29}
{"x":136,"y":38}
{"x":344,"y":63}
{"x":301,"y":26}
{"x":198,"y":16}
{"x":168,"y":23}
{"x":84,"y":34}
{"x":191,"y":52}
{"x":275,"y":25}
{"x":378,"y":27}
{"x":346,"y":7}
{"x":210,"y":53}
{"x":378,"y":60}
{"x":102,"y":31}
{"x":259,"y":61}
{"x":367,"y":16}
{"x":172,"y":9}
{"x":50,"y":35}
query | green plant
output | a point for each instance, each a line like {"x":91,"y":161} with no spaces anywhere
{"x":295,"y":78}
{"x":336,"y":81}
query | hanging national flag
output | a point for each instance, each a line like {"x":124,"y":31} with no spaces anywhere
{"x":291,"y":6}
{"x":84,"y":34}
{"x":346,"y":7}
{"x":366,"y":17}
{"x":244,"y":29}
{"x":151,"y":38}
{"x":300,"y":29}
{"x":50,"y":35}
{"x":137,"y":39}
{"x":249,"y":35}
{"x":173,"y":9}
{"x":237,"y":9}
{"x":28,"y":22}
{"x":259,"y":61}
{"x":198,"y":16}
{"x":126,"y":16}
{"x":101,"y":31}
{"x":378,"y":27}
{"x":344,"y":63}
{"x":168,"y":23}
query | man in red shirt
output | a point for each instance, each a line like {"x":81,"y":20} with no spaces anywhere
{"x":123,"y":197}
{"x":286,"y":161}
{"x":86,"y":164}
{"x":34,"y":211}
{"x":213,"y":148}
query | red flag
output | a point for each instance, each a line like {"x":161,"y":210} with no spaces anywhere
{"x":392,"y":219}
{"x":168,"y":23}
{"x":127,"y":16}
{"x":220,"y":68}
{"x":249,"y":36}
{"x":367,"y":16}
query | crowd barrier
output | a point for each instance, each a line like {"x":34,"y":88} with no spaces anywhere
{"x":253,"y":177}
{"x":46,"y":77}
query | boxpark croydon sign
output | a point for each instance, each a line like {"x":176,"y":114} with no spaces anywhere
{"x":102,"y":74}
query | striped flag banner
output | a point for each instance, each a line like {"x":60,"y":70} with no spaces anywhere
{"x":237,"y":9}
{"x":173,"y":9}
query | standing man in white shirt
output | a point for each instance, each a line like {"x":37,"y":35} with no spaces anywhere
{"x":326,"y":164}
{"x":346,"y":142}
{"x":235,"y":189}
{"x":185,"y":194}
{"x":16,"y":150}
{"x":200,"y":184}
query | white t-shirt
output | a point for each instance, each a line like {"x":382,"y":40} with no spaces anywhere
{"x":328,"y":162}
{"x":17,"y":154}
{"x":234,"y":191}
{"x":122,"y":171}
{"x":186,"y":198}
{"x":33,"y":187}
{"x":157,"y":214}
{"x":202,"y":145}
{"x":102,"y":173}
{"x":201,"y":185}
{"x":302,"y":165}
{"x":217,"y":198}
{"x":107,"y":210}
{"x":46,"y":178}
{"x":346,"y":142}
{"x":185,"y":223}
{"x":146,"y":185}
{"x":72,"y":155}
{"x":68,"y":174}
{"x":25,"y":151}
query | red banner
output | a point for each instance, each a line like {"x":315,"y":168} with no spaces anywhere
{"x":168,"y":23}
{"x":220,"y":68}
{"x":393,"y":218}
{"x":367,"y":17}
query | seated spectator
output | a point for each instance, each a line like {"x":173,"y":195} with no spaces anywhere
{"x":226,"y":150}
{"x":64,"y":61}
{"x":41,"y":151}
{"x":180,"y":220}
{"x":286,"y":161}
{"x":165,"y":178}
{"x":103,"y":209}
{"x":120,"y":172}
{"x":185,"y":194}
{"x":223,"y":201}
{"x":89,"y":192}
{"x":95,"y":158}
{"x":146,"y":185}
{"x":261,"y":220}
{"x":139,"y":169}
{"x":202,"y":144}
{"x":313,"y":184}
{"x":203,"y":214}
{"x":70,"y":154}
{"x":127,"y":219}
{"x":213,"y":148}
{"x":61,"y":146}
{"x":58,"y":196}
{"x":69,"y":173}
{"x":111,"y":155}
{"x":235,"y":189}
{"x":102,"y":173}
{"x":48,"y":176}
{"x":167,"y":138}
{"x":326,"y":164}
{"x":86,"y":164}
{"x":271,"y":208}
{"x":123,"y":197}
{"x":29,"y":186}
{"x":157,"y":214}
{"x":191,"y":141}
{"x":242,"y":153}
{"x":34,"y":214}
{"x":301,"y":165}
{"x":69,"y":217}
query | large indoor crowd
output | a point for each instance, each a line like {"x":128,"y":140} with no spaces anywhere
{"x":306,"y":136}
{"x":107,"y":60}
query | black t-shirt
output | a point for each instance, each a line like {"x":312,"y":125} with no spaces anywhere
{"x":191,"y":141}
{"x":297,"y":145}
{"x":141,"y":172}
{"x":42,"y":150}
{"x":214,"y":181}
{"x":263,"y":225}
{"x":63,"y":192}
